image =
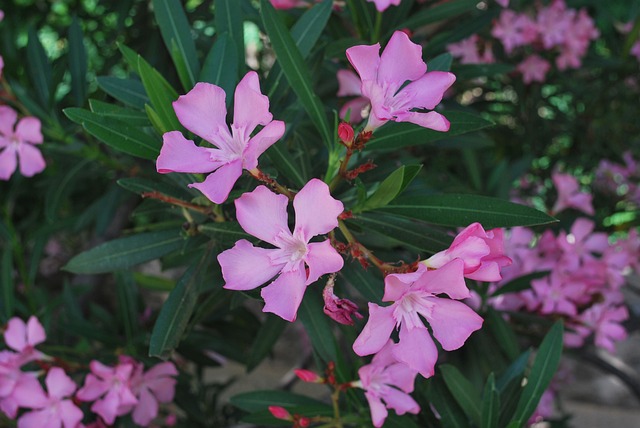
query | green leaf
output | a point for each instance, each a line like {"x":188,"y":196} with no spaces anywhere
{"x":286,"y":164}
{"x":117,"y":134}
{"x":227,"y":232}
{"x":295,"y":70}
{"x":441,"y":63}
{"x":317,"y":326}
{"x":39,"y":69}
{"x":544,"y":367}
{"x":450,"y":412}
{"x":490,"y":404}
{"x":391,"y":187}
{"x":154,"y":283}
{"x":438,"y":13}
{"x":472,"y":71}
{"x":130,"y":56}
{"x":519,"y":284}
{"x":461,"y":210}
{"x":513,"y":372}
{"x":123,"y":253}
{"x":77,"y":62}
{"x":161,"y":94}
{"x":144,"y":185}
{"x":256,"y":401}
{"x":6,"y":282}
{"x":502,"y":332}
{"x":128,"y":115}
{"x":266,"y":337}
{"x":127,"y":305}
{"x":176,"y":32}
{"x":463,"y":391}
{"x":365,"y":281}
{"x":61,"y":189}
{"x":128,"y":91}
{"x":396,"y":135}
{"x":221,"y":66}
{"x":176,"y":312}
{"x":228,"y":19}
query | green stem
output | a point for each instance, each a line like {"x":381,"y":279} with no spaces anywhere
{"x":335,"y":401}
{"x":377,"y":28}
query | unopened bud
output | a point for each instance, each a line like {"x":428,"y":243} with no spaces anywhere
{"x":345,"y":133}
{"x":303,"y":422}
{"x":280,"y":413}
{"x":308,"y":376}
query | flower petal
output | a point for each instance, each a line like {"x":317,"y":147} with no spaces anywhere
{"x":219,"y":183}
{"x":284,"y":295}
{"x":452,"y":322}
{"x":400,"y":61}
{"x":37,"y":418}
{"x":448,"y":279}
{"x":35,"y":331}
{"x":59,"y":385}
{"x":316,"y":211}
{"x":365,"y":59}
{"x":28,"y":129}
{"x":29,"y":393}
{"x":70,"y":414}
{"x":417,"y":350}
{"x":322,"y":258}
{"x":263,"y":214}
{"x":8,"y":117}
{"x":356,"y":105}
{"x":432,"y":120}
{"x":203,"y":111}
{"x":31,"y":160}
{"x":377,"y":331}
{"x":181,"y":155}
{"x":245,"y":267}
{"x":400,"y":401}
{"x":251,"y":108}
{"x":378,"y":410}
{"x":8,"y":162}
{"x":428,"y":90}
{"x":146,"y":409}
{"x":261,"y":142}
{"x":348,"y":83}
{"x":396,"y":284}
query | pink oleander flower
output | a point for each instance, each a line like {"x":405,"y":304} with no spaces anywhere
{"x":349,"y":84}
{"x":263,"y":214}
{"x":569,"y":195}
{"x":533,"y":69}
{"x":382,"y":5}
{"x":558,"y":294}
{"x":554,"y":23}
{"x":635,"y":50}
{"x":579,"y":246}
{"x":11,"y":378}
{"x":53,"y":409}
{"x":203,"y":112}
{"x":288,"y":4}
{"x":387,"y":383}
{"x":514,"y":30}
{"x":156,"y":385}
{"x":17,"y":147}
{"x":308,"y":376}
{"x":604,"y":321}
{"x":383,"y":77}
{"x":414,"y":295}
{"x":1,"y":65}
{"x":468,"y":50}
{"x":110,"y":388}
{"x":482,"y":253}
{"x":23,"y":337}
{"x":503,"y":3}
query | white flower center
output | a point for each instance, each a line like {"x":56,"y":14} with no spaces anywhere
{"x":408,"y":309}
{"x":291,"y":251}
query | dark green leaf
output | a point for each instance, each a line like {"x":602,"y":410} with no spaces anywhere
{"x":256,"y":401}
{"x":318,"y":326}
{"x":128,"y":115}
{"x":228,"y":19}
{"x":472,"y":71}
{"x":221,"y":66}
{"x":490,"y":404}
{"x":368,"y":285}
{"x":266,"y":337}
{"x":128,"y":91}
{"x":450,"y":412}
{"x":77,"y":62}
{"x":6,"y":283}
{"x":463,"y":391}
{"x":287,"y":165}
{"x":461,"y":210}
{"x":61,"y":189}
{"x":514,"y":371}
{"x":123,"y":253}
{"x":127,"y":305}
{"x":438,"y":13}
{"x":144,"y":185}
{"x":391,"y":187}
{"x":441,"y":63}
{"x":504,"y":335}
{"x":39,"y":69}
{"x":161,"y":94}
{"x":227,"y":232}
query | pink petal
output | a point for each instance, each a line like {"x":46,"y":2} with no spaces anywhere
{"x":92,"y":388}
{"x":15,"y":335}
{"x":263,"y":214}
{"x":356,"y":106}
{"x":417,"y":350}
{"x":448,"y":279}
{"x":452,"y":322}
{"x":261,"y":142}
{"x":59,"y":385}
{"x":348,"y":83}
{"x":70,"y":414}
{"x":401,"y":375}
{"x":245,"y":267}
{"x":365,"y":59}
{"x":31,"y":160}
{"x":29,"y":393}
{"x":283,"y":296}
{"x":203,"y":111}
{"x":219,"y":183}
{"x":181,"y":155}
{"x":431,"y":120}
{"x":396,"y":284}
{"x":8,"y":162}
{"x":400,"y":401}
{"x":428,"y":90}
{"x":377,"y":331}
{"x":146,"y":409}
{"x":316,"y":211}
{"x":163,"y":388}
{"x":487,"y":272}
{"x":28,"y":129}
{"x":400,"y":61}
{"x":322,"y":258}
{"x":160,"y":370}
{"x":35,"y":331}
{"x":378,"y":410}
{"x":38,"y":418}
{"x":107,"y":407}
{"x":251,"y":108}
{"x":9,"y":407}
{"x":8,"y":117}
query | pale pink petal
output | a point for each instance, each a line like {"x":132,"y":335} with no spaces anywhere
{"x":107,"y":407}
{"x":261,"y":142}
{"x":396,"y":284}
{"x":181,"y":155}
{"x":219,"y":183}
{"x":93,"y":388}
{"x":9,"y":407}
{"x":432,"y":120}
{"x":452,"y":322}
{"x":8,"y":117}
{"x":251,"y":108}
{"x":15,"y":335}
{"x":417,"y":350}
{"x":159,"y":370}
{"x":348,"y":83}
{"x":35,"y":331}
{"x":146,"y":409}
{"x":263,"y":214}
{"x":582,"y":202}
{"x":400,"y":61}
{"x":283,"y":296}
{"x":487,"y":272}
{"x":245,"y":267}
{"x":365,"y":59}
{"x":377,"y":331}
{"x":28,"y":129}
{"x":29,"y":393}
{"x":378,"y":410}
{"x":356,"y":106}
{"x":59,"y":385}
{"x":8,"y":162}
{"x":382,"y":5}
{"x":70,"y":414}
{"x":38,"y":418}
{"x":322,"y":258}
{"x":401,"y":402}
{"x":448,"y":279}
{"x":163,"y":388}
{"x":401,"y":375}
{"x":31,"y":160}
{"x":428,"y":90}
{"x":203,"y":111}
{"x":316,"y":210}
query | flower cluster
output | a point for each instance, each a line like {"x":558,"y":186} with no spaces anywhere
{"x":619,"y":180}
{"x":114,"y":391}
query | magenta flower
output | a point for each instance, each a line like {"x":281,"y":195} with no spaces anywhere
{"x":23,"y":338}
{"x":533,"y":69}
{"x":349,"y":84}
{"x":514,"y":30}
{"x":569,"y":195}
{"x":156,"y":385}
{"x":482,"y":253}
{"x":558,"y":294}
{"x":468,"y":50}
{"x":263,"y":214}
{"x":387,"y":384}
{"x":203,"y":112}
{"x":18,"y":146}
{"x":383,"y":77}
{"x":111,"y":388}
{"x":12,"y":378}
{"x":288,"y":4}
{"x":414,"y":295}
{"x":53,"y":409}
{"x":382,"y":5}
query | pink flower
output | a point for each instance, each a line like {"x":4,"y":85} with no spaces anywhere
{"x":51,"y":410}
{"x":414,"y":295}
{"x":533,"y":69}
{"x":569,"y":195}
{"x":287,"y":4}
{"x":23,"y":338}
{"x":554,"y":23}
{"x":12,"y":378}
{"x":558,"y":294}
{"x":203,"y":112}
{"x":382,"y":5}
{"x":111,"y":387}
{"x":387,"y":384}
{"x":514,"y":30}
{"x":349,"y":85}
{"x":263,"y":214}
{"x":503,"y":3}
{"x":468,"y":50}
{"x":482,"y":253}
{"x":579,"y":246}
{"x":1,"y":65}
{"x":156,"y":385}
{"x":18,"y":146}
{"x":383,"y":77}
{"x":339,"y":310}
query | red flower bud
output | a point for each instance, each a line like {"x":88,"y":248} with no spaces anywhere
{"x":345,"y":133}
{"x":280,"y":413}
{"x":308,"y":376}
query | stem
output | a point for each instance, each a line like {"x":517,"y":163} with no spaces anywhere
{"x":378,"y":26}
{"x":335,"y":398}
{"x":174,"y":201}
{"x":271,"y":182}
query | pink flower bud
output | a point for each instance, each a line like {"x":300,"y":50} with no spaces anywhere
{"x":308,"y":376}
{"x":280,"y":413}
{"x":345,"y":133}
{"x":303,"y":422}
{"x":339,"y":310}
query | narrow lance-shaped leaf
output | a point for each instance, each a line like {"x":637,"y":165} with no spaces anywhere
{"x":317,"y":326}
{"x":6,"y":282}
{"x":490,"y":404}
{"x":128,"y":115}
{"x":77,"y":62}
{"x":161,"y":94}
{"x":463,"y":391}
{"x":266,"y":337}
{"x":391,"y":187}
{"x":128,"y":91}
{"x":228,"y":19}
{"x":39,"y":69}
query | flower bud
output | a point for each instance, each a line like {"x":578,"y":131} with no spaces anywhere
{"x":345,"y":133}
{"x":308,"y":376}
{"x":280,"y":413}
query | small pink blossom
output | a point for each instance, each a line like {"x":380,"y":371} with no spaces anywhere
{"x":345,"y":133}
{"x":383,"y":77}
{"x":203,"y":112}
{"x":17,"y":146}
{"x":308,"y":376}
{"x":533,"y":69}
{"x":569,"y":195}
{"x":263,"y":214}
{"x":11,"y":379}
{"x":280,"y":413}
{"x":514,"y":30}
{"x":156,"y":385}
{"x":414,"y":295}
{"x":382,"y":5}
{"x":469,"y":52}
{"x":558,"y":294}
{"x":387,"y":383}
{"x":503,"y":3}
{"x":23,"y":337}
